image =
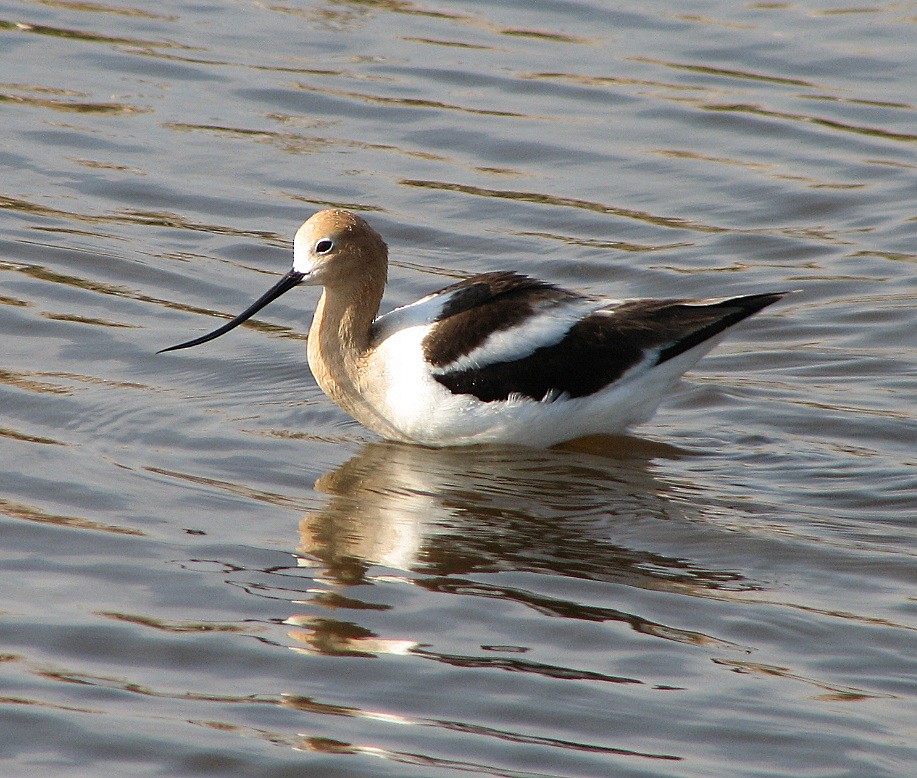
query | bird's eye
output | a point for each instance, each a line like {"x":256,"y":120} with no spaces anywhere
{"x":324,"y":246}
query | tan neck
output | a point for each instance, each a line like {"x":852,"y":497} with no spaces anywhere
{"x":339,"y":343}
{"x":339,"y":336}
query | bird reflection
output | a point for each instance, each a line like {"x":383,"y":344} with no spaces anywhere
{"x":439,"y":515}
{"x":456,"y":511}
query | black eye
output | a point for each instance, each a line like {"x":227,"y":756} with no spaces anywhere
{"x":324,"y":246}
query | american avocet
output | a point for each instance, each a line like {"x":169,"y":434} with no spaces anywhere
{"x":496,"y":358}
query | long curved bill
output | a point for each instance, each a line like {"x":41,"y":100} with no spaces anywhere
{"x":291,"y":279}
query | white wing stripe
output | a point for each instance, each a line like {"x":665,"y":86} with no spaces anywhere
{"x":543,"y":328}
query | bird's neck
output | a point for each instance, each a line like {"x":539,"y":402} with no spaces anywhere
{"x":339,"y":341}
{"x":343,"y":320}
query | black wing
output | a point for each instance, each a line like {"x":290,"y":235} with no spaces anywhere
{"x":484,"y":304}
{"x":604,"y":345}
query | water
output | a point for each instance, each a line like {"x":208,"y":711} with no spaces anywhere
{"x":207,"y":568}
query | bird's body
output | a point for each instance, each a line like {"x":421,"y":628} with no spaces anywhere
{"x":496,"y":358}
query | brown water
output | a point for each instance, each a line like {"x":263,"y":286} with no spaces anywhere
{"x":207,"y":568}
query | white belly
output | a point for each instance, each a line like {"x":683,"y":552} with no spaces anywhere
{"x":424,"y":411}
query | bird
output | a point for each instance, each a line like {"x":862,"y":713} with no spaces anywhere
{"x":496,"y":358}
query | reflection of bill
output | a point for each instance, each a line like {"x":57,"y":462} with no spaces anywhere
{"x":406,"y":514}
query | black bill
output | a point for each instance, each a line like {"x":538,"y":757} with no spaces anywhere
{"x":286,"y":283}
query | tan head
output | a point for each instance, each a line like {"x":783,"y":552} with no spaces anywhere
{"x":335,"y":249}
{"x":338,"y":248}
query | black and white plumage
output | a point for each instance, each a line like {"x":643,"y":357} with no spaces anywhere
{"x":496,"y":358}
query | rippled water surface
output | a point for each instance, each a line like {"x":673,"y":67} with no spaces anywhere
{"x":207,"y":568}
